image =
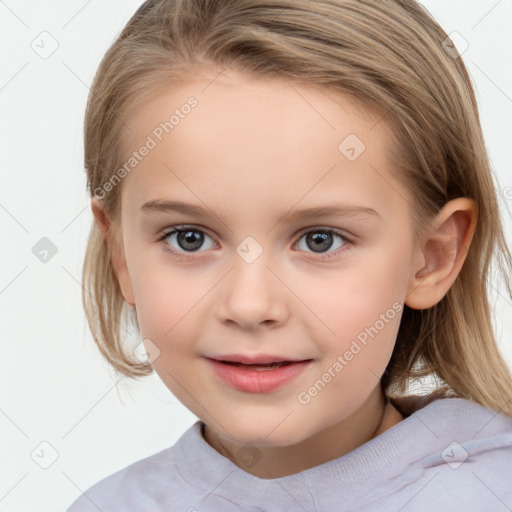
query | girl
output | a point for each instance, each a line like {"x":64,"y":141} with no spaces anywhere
{"x":294,"y":205}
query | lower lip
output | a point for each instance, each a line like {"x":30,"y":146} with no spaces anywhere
{"x":257,"y":381}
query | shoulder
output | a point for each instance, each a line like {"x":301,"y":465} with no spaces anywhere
{"x":466,"y":460}
{"x":150,"y":484}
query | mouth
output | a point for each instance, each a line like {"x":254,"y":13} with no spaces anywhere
{"x":255,"y":359}
{"x":260,"y":367}
{"x":257,"y":377}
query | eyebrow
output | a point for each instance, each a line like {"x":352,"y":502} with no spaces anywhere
{"x":333,"y":210}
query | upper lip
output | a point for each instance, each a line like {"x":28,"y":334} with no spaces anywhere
{"x":254,"y":358}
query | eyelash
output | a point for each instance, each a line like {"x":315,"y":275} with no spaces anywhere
{"x":189,"y":256}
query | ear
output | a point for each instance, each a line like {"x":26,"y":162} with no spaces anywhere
{"x":117,"y":259}
{"x":443,"y":253}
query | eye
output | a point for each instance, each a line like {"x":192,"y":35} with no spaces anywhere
{"x":320,"y":240}
{"x":182,"y":241}
{"x":188,"y":239}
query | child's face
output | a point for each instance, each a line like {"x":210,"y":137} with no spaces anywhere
{"x":251,"y":151}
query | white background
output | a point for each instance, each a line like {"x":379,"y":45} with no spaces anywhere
{"x":55,"y":387}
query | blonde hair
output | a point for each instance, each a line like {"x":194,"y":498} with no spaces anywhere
{"x":391,"y":56}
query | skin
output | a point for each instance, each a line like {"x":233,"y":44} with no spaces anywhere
{"x":249,"y":151}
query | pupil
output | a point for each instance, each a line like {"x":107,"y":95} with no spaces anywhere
{"x":320,"y":241}
{"x":190,"y":237}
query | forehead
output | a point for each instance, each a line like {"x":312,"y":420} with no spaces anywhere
{"x":245,"y":141}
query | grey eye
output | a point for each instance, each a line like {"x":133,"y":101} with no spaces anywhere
{"x":188,"y":239}
{"x":321,"y":240}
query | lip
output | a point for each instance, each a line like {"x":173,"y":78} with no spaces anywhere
{"x":257,"y":381}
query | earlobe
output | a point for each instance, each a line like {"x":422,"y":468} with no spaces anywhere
{"x":443,"y":253}
{"x":117,"y":260}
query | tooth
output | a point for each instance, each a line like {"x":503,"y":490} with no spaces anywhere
{"x":268,"y":366}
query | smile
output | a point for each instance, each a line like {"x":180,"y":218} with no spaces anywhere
{"x":257,"y":378}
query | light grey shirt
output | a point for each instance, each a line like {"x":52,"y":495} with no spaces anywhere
{"x":449,"y":455}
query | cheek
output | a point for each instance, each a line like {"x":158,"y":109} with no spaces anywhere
{"x":165,"y":301}
{"x":363,"y":305}
{"x":167,"y":309}
{"x":344,"y":303}
{"x":354,"y":359}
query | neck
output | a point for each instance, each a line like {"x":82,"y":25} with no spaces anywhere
{"x":372,"y":418}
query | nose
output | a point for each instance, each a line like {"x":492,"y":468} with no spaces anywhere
{"x":252,"y":296}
